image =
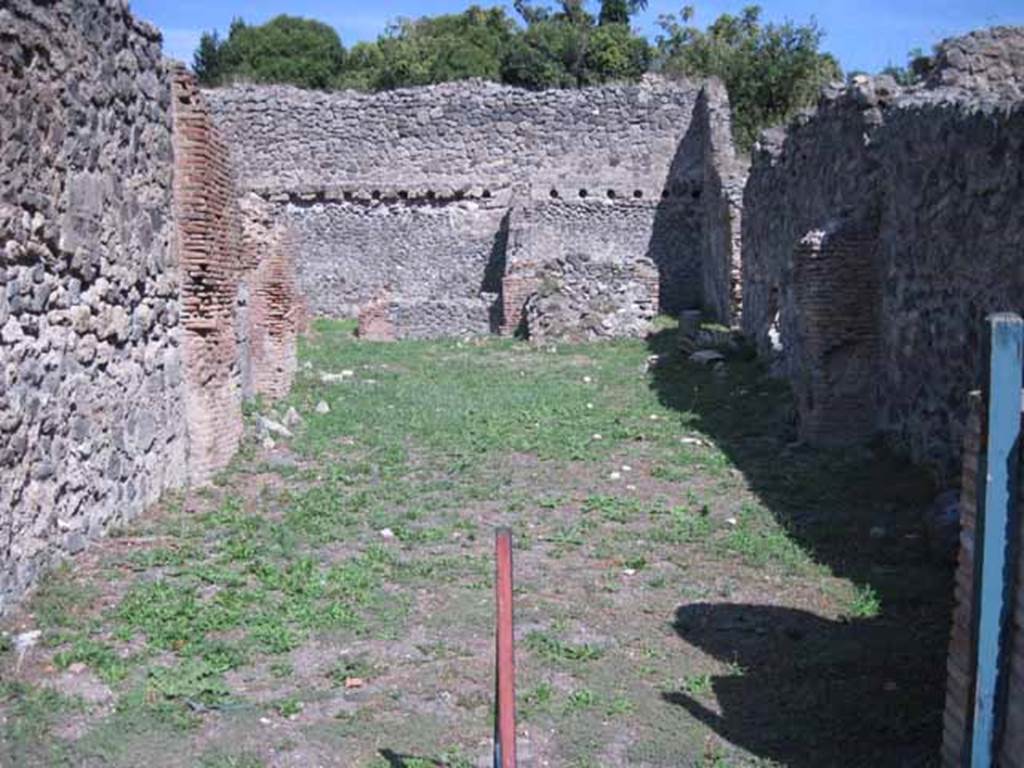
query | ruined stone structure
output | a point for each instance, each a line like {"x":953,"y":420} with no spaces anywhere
{"x":124,"y":270}
{"x":92,"y":425}
{"x":440,"y":211}
{"x":159,"y":246}
{"x":878,"y":232}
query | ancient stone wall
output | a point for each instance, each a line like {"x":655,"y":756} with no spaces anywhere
{"x":133,"y":292}
{"x":985,"y":61}
{"x":836,"y":300}
{"x":939,"y":172}
{"x":411,"y":192}
{"x":467,"y":136}
{"x":92,"y":424}
{"x":418,"y":249}
{"x":725,"y":175}
{"x":596,"y":268}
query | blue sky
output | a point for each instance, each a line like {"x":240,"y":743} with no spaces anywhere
{"x":865,"y":35}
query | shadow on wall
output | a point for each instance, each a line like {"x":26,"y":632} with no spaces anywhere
{"x":805,"y":690}
{"x":494,"y":272}
{"x":675,"y":242}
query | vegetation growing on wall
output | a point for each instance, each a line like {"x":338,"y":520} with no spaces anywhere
{"x":771,"y":70}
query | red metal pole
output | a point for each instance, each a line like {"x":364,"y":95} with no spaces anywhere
{"x":505,"y":711}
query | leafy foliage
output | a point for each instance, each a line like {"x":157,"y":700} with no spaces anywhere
{"x":556,"y":48}
{"x":770,"y":70}
{"x":432,"y":50}
{"x":918,"y":65}
{"x":286,"y":49}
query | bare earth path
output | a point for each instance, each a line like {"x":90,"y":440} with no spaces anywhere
{"x":692,"y":589}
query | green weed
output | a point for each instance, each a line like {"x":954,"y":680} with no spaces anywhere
{"x":551,"y":648}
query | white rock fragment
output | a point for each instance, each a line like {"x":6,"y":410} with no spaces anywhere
{"x":292,"y":418}
{"x":692,"y":441}
{"x":322,"y":407}
{"x":596,"y":436}
{"x":333,"y":378}
{"x":705,"y":356}
{"x":273,"y":427}
{"x":386,"y":533}
{"x":23,"y":642}
{"x":614,"y":475}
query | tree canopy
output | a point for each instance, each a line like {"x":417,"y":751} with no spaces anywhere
{"x":286,"y":49}
{"x":553,"y":47}
{"x":770,"y":70}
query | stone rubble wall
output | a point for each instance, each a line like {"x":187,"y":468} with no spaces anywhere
{"x":351,"y":251}
{"x":725,"y":175}
{"x":410,"y":192}
{"x":469,"y":135}
{"x":132,"y":290}
{"x":598,"y":256}
{"x":938,"y":170}
{"x":92,"y":426}
{"x":387,"y":319}
{"x":985,"y":61}
{"x":581,"y":299}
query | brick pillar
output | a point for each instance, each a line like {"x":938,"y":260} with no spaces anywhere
{"x":210,"y":258}
{"x":960,"y":662}
{"x":837,"y":295}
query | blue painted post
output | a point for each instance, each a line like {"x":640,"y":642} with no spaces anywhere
{"x":995,"y":517}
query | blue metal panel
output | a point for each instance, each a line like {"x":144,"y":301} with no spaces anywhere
{"x":994,"y":521}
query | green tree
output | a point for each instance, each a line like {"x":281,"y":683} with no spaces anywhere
{"x":286,"y":49}
{"x":916,"y":69}
{"x":615,"y":53}
{"x":433,"y":50}
{"x":770,"y":70}
{"x":206,"y":60}
{"x":619,"y":11}
{"x":568,"y":47}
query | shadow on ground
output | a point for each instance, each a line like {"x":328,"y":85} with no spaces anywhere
{"x":811,"y":691}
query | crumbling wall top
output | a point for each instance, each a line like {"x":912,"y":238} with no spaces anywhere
{"x":986,"y":60}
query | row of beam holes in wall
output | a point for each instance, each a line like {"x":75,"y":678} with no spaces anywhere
{"x":637,"y":194}
{"x":404,"y":195}
{"x":555,"y":194}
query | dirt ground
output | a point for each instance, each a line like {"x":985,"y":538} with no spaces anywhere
{"x":693,"y":587}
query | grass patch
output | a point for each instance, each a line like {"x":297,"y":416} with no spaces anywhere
{"x":550,"y":648}
{"x":361,"y":550}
